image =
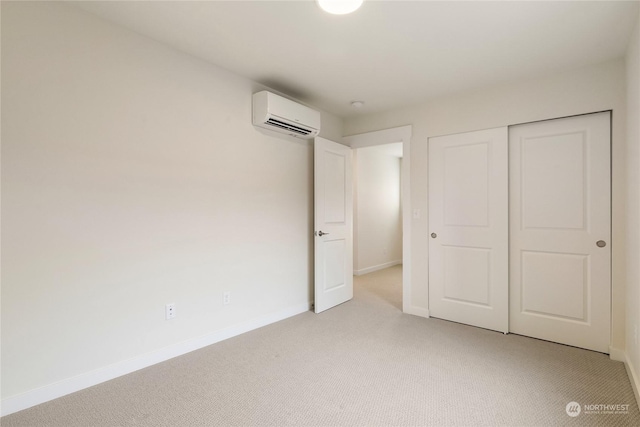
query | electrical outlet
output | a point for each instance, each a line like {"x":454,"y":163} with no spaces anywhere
{"x":226,"y":298}
{"x":170,"y":311}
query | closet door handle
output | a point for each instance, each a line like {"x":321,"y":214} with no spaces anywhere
{"x":601,"y":243}
{"x":434,"y":235}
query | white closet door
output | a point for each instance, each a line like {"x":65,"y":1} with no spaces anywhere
{"x":468,"y":226}
{"x":560,"y":230}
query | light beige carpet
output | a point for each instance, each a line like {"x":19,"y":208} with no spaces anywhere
{"x":363,"y":363}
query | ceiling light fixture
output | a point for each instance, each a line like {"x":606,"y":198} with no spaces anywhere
{"x":339,"y":7}
{"x":357,"y":104}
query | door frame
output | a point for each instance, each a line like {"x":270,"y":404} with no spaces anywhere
{"x":389,"y":136}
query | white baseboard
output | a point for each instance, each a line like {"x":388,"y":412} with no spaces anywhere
{"x":376,"y":267}
{"x":79,"y":382}
{"x":622,"y":356}
{"x":617,"y":354}
{"x":416,"y":311}
{"x":633,"y":377}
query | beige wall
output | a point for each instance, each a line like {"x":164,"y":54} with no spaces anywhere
{"x":131,"y":178}
{"x":378,"y":219}
{"x":591,"y":89}
{"x":633,"y":205}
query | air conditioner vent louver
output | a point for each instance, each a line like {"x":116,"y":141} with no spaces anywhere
{"x":286,"y":126}
{"x":279,"y":114}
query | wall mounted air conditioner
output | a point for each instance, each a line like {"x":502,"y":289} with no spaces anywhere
{"x":273,"y":112}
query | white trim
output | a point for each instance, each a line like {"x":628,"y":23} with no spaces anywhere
{"x":633,"y":378}
{"x":406,"y":223}
{"x":398,"y":134}
{"x":377,"y":267}
{"x":621,"y":356}
{"x":617,"y":354}
{"x":88,"y":379}
{"x":380,"y":137}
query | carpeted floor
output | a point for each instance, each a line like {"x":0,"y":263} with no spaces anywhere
{"x":363,"y":363}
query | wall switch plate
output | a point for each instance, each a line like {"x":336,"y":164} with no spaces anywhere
{"x":170,"y":311}
{"x":226,"y":298}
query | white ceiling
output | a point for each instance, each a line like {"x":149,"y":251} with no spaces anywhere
{"x":389,"y":53}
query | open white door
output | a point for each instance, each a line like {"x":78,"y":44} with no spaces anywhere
{"x":468,"y":226}
{"x":333,"y":224}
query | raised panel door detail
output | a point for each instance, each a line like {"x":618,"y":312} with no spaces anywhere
{"x":553,"y":181}
{"x":467,"y":275}
{"x":466,"y":185}
{"x":334,"y":266}
{"x":556,"y":285}
{"x":334,"y":175}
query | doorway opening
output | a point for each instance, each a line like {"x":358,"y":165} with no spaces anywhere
{"x":377,"y":208}
{"x":381,"y":210}
{"x":377,"y":220}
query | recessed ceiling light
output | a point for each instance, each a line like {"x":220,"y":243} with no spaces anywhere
{"x":339,"y":7}
{"x":357,"y":104}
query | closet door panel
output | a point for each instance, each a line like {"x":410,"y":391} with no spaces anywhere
{"x":468,"y":226}
{"x":560,"y":230}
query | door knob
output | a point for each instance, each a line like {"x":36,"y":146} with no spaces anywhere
{"x":321,"y":233}
{"x":601,"y":243}
{"x":434,"y":235}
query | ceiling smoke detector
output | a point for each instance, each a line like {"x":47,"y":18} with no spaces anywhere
{"x":357,"y":104}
